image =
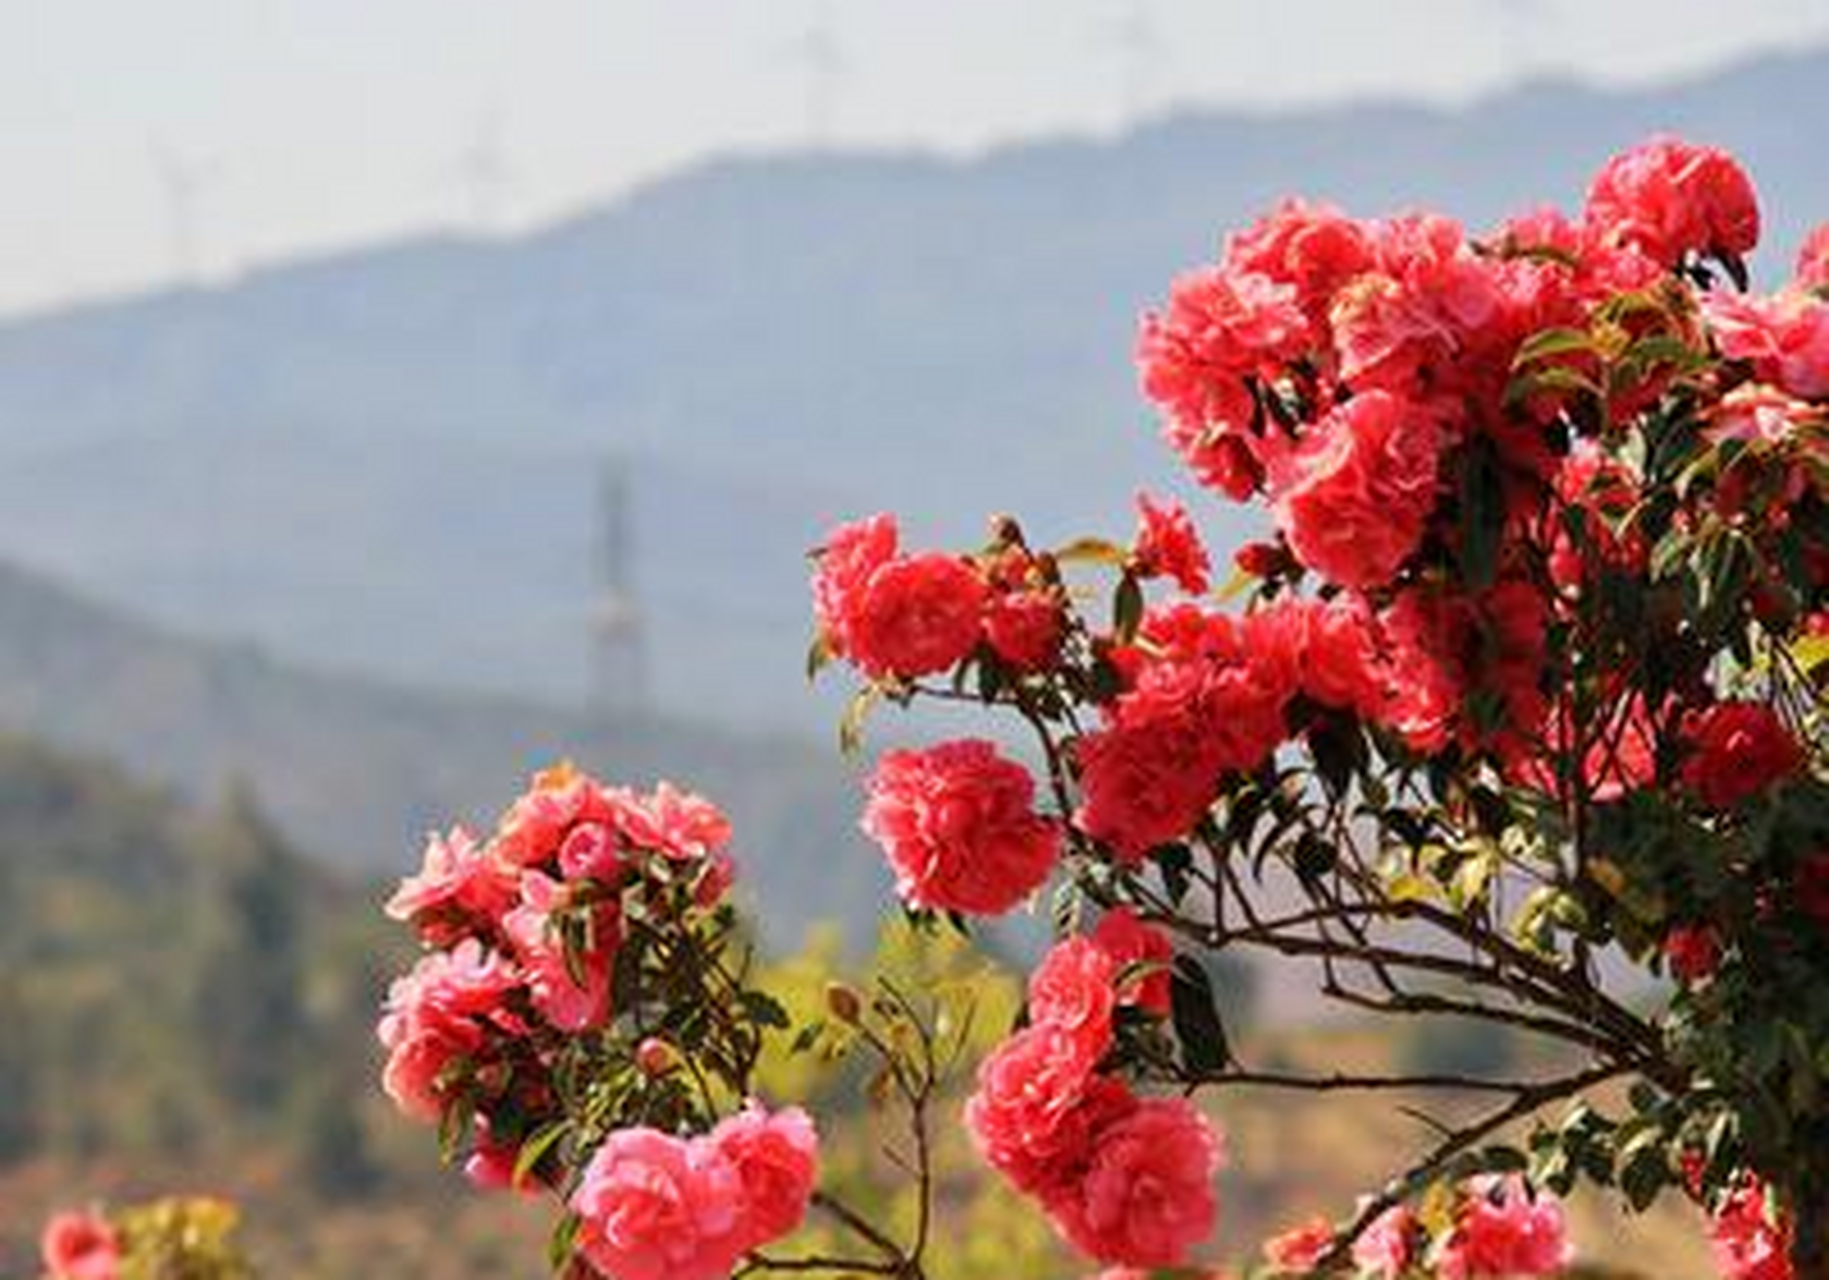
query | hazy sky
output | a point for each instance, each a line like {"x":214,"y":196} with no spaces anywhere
{"x":289,"y":126}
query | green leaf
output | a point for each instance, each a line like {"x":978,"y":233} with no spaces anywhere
{"x":1127,"y":609}
{"x":1553,"y":342}
{"x":819,"y":655}
{"x":1204,"y":1050}
{"x":535,"y":1148}
{"x":1482,"y":515}
{"x":851,"y":724}
{"x":764,"y":1010}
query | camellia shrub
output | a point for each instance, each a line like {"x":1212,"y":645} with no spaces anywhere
{"x":174,"y":1239}
{"x":1515,"y":718}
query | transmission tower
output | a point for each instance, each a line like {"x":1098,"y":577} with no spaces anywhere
{"x":619,"y":666}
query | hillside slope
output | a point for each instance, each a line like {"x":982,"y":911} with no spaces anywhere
{"x":356,"y":771}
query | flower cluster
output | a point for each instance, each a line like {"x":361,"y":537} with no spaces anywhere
{"x":575,"y":981}
{"x":1125,"y":1179}
{"x":1496,"y":1229}
{"x":1534,"y":659}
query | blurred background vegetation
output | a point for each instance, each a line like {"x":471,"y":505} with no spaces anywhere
{"x":189,"y":1005}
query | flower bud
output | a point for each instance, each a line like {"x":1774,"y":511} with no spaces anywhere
{"x":655,"y":1058}
{"x":844,"y":1003}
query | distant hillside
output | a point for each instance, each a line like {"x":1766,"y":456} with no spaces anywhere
{"x":386,"y":460}
{"x":357,"y":771}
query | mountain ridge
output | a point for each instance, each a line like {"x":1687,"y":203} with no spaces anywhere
{"x":389,"y":461}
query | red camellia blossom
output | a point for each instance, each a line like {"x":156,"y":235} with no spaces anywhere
{"x":1353,"y":501}
{"x":1168,"y":546}
{"x":1025,"y":629}
{"x":1316,"y":249}
{"x":958,"y":824}
{"x":1146,"y":783}
{"x":80,"y":1246}
{"x":841,"y":574}
{"x":1146,"y":1197}
{"x":1301,"y":1246}
{"x":1694,"y":952}
{"x":1129,"y":941}
{"x":1428,"y":299}
{"x":1072,"y":991}
{"x":1219,"y":328}
{"x":1668,"y":198}
{"x":1746,"y":1243}
{"x":1037,"y":1104}
{"x":1736,"y":750}
{"x":1504,"y":1231}
{"x":918,"y":615}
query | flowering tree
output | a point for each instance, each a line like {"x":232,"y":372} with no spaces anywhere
{"x":1516,"y":717}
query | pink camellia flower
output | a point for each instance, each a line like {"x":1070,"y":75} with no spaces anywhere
{"x":1353,"y":501}
{"x":1301,"y":1246}
{"x":592,"y":852}
{"x":842,"y":571}
{"x":958,"y":824}
{"x":1745,"y":1241}
{"x":574,"y":994}
{"x":654,"y":1207}
{"x":1668,"y":198}
{"x":1694,"y":952}
{"x":1037,"y":1104}
{"x":776,"y":1158}
{"x":490,"y":1164}
{"x":536,"y":824}
{"x":1129,"y":941}
{"x":1168,"y":545}
{"x":1504,"y":1231}
{"x":1071,"y":991}
{"x":1785,"y":337}
{"x":918,"y":615}
{"x":1386,"y":1249}
{"x":440,"y":1013}
{"x":1813,"y":260}
{"x":1315,"y":249}
{"x":1736,"y":750}
{"x":1759,"y":414}
{"x":461,"y":888}
{"x":80,"y":1246}
{"x":681,"y":825}
{"x":1146,"y":1197}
